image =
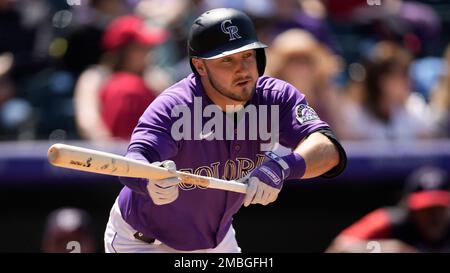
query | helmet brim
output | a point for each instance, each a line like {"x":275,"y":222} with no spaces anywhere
{"x":224,"y":51}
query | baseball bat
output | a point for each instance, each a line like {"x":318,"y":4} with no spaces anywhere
{"x":93,"y":161}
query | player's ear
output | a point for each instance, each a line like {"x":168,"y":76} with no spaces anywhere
{"x":199,"y":66}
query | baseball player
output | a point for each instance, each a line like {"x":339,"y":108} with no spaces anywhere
{"x":228,"y":63}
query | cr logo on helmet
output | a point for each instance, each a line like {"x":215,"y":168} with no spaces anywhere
{"x":231,"y":30}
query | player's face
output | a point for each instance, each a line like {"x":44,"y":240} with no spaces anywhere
{"x":233,"y":76}
{"x":432,"y":222}
{"x":300,"y":70}
{"x":136,"y":57}
{"x":396,"y":86}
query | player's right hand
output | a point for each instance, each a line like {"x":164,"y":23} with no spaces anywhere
{"x":164,"y":191}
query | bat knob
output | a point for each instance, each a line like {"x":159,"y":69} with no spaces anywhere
{"x":52,"y":154}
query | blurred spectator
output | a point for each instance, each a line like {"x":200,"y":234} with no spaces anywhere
{"x":19,"y":57}
{"x":84,"y":38}
{"x":85,"y":53}
{"x":7,"y":90}
{"x":298,"y":58}
{"x":440,"y":99}
{"x":125,"y":95}
{"x":176,"y":16}
{"x":75,"y":45}
{"x":412,"y":25}
{"x":389,"y":110}
{"x":310,"y":15}
{"x":343,"y":10}
{"x":425,"y":73}
{"x":89,"y":122}
{"x":416,"y":26}
{"x":50,"y":92}
{"x":15,"y":112}
{"x":21,"y":35}
{"x":69,"y":230}
{"x":420,"y":223}
{"x":47,"y":80}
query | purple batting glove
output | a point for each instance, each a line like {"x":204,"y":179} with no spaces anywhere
{"x":266,"y":181}
{"x":279,"y":169}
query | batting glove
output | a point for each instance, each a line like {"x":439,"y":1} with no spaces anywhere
{"x":266,"y":181}
{"x":164,"y":191}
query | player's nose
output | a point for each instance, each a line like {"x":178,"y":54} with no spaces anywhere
{"x":242,"y":66}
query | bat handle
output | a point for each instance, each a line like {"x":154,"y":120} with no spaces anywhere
{"x":214,"y":183}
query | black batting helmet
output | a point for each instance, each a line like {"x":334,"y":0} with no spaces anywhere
{"x":221,"y":32}
{"x":427,"y":187}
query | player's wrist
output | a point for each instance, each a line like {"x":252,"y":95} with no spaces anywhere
{"x":297,"y":166}
{"x":293,"y":166}
{"x":279,"y":169}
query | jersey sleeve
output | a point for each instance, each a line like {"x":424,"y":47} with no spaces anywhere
{"x":297,"y":118}
{"x":375,"y":225}
{"x":151,"y":139}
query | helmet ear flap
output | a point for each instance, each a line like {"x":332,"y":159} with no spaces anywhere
{"x":261,"y":60}
{"x":193,"y":67}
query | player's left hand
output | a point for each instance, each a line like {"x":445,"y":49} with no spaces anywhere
{"x":264,"y":184}
{"x":260,"y":193}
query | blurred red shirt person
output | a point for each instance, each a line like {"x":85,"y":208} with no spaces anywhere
{"x":67,"y":230}
{"x":420,"y":223}
{"x":125,"y":96}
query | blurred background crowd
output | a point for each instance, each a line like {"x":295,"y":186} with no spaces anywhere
{"x":375,"y":70}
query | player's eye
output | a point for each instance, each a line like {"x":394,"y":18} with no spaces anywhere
{"x":248,"y":55}
{"x":226,"y":60}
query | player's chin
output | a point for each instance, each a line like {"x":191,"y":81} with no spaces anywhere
{"x":248,"y":94}
{"x":244,"y":93}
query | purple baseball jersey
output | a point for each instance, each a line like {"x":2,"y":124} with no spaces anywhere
{"x":199,"y":218}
